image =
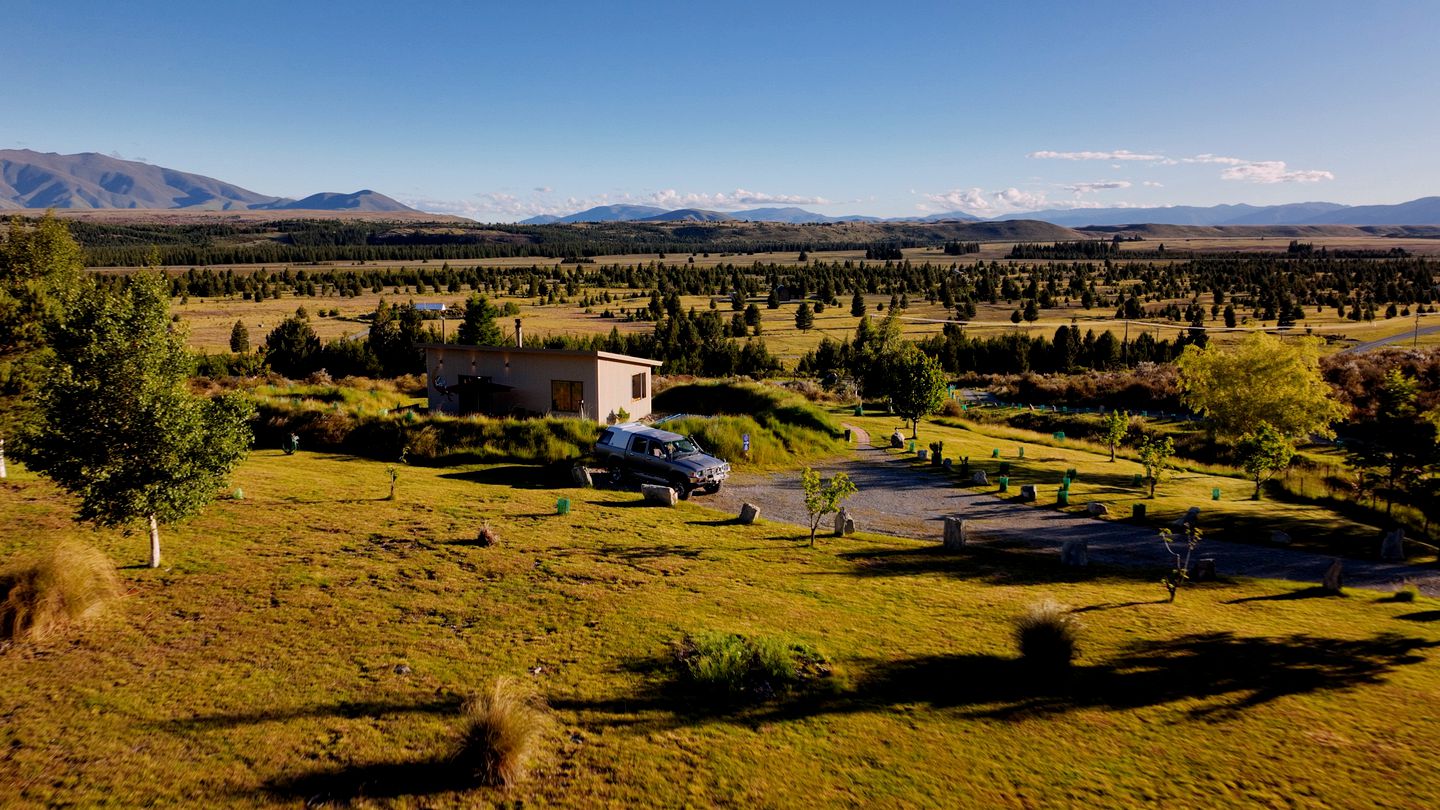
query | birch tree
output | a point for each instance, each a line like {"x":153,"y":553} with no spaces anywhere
{"x":117,"y":425}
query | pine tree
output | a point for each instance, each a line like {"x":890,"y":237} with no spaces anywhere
{"x":239,"y":338}
{"x":804,"y":318}
{"x":857,"y":305}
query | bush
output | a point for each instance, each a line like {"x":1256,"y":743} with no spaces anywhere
{"x":502,"y":728}
{"x":44,"y":591}
{"x":732,"y":666}
{"x":1406,"y":594}
{"x":952,"y":408}
{"x":1047,"y":636}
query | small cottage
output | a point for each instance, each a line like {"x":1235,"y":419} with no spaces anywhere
{"x":517,"y":381}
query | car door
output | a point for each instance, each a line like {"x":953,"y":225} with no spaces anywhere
{"x":641,"y":462}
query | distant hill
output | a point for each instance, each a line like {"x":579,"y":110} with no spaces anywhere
{"x":363,"y":200}
{"x":611,"y":213}
{"x":689,"y":215}
{"x":1424,"y":211}
{"x":91,"y":180}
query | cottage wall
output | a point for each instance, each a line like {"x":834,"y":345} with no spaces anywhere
{"x":606,"y":385}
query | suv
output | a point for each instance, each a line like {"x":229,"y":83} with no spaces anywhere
{"x":651,"y":454}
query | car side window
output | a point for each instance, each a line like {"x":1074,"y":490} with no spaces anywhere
{"x":638,"y":445}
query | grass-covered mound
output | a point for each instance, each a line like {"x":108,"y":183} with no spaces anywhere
{"x":783,"y":427}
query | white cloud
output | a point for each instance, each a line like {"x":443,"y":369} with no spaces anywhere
{"x":1118,"y":154}
{"x":1273,"y":171}
{"x":496,"y":206}
{"x":1090,"y":188}
{"x":1152,"y":184}
{"x":739,"y":198}
{"x":1207,"y":158}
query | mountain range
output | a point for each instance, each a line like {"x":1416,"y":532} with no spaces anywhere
{"x":90,"y":180}
{"x":33,"y":180}
{"x":1423,"y":211}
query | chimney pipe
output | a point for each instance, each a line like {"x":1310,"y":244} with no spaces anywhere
{"x":519,"y":337}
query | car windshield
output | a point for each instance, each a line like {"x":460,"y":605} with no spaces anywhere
{"x":681,"y":447}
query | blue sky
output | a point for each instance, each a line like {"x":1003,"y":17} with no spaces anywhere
{"x":502,"y":110}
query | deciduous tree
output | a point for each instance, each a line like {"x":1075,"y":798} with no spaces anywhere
{"x":118,"y":427}
{"x":1264,"y":453}
{"x":824,"y":497}
{"x":1260,"y":379}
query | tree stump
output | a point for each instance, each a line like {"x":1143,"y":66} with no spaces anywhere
{"x":749,"y":513}
{"x":1075,"y":553}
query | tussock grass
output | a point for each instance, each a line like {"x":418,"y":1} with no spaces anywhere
{"x":1048,"y":636}
{"x":503,"y":726}
{"x":44,"y":591}
{"x":487,"y":536}
{"x":732,"y":666}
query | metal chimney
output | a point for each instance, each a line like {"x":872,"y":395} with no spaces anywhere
{"x":519,"y":336}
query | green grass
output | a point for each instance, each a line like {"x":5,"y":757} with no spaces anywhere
{"x":260,"y":665}
{"x":1235,"y":516}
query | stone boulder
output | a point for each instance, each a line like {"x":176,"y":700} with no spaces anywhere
{"x":659,"y":494}
{"x":1204,"y":570}
{"x":1028,"y":493}
{"x":897,"y":440}
{"x":946,"y":464}
{"x":1280,"y":538}
{"x":954,"y":539}
{"x":922,"y":454}
{"x":1190,"y":518}
{"x":980,"y":478}
{"x":1392,"y":548}
{"x":1075,"y":553}
{"x":580,"y":474}
{"x":1334,"y":579}
{"x":749,"y":513}
{"x":1096,"y":509}
{"x":844,"y":524}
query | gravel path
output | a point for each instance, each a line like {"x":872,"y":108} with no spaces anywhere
{"x":898,"y":500}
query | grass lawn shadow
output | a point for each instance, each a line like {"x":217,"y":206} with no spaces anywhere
{"x":995,"y":563}
{"x":1313,"y":592}
{"x":1228,"y":674}
{"x":1421,"y":616}
{"x":379,"y":780}
{"x":515,"y":476}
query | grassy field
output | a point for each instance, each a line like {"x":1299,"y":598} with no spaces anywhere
{"x":265,"y":663}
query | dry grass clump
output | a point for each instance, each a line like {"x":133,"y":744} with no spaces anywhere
{"x":732,"y":666}
{"x":503,"y":726}
{"x":1048,"y":636}
{"x":46,"y":590}
{"x":487,"y":536}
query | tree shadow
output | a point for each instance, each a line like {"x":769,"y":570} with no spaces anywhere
{"x":626,"y":504}
{"x":376,"y":780}
{"x":1421,"y":616}
{"x":1118,"y":606}
{"x":1313,"y":592}
{"x":515,"y":476}
{"x":651,"y":552}
{"x":1223,"y":673}
{"x":349,"y":709}
{"x":721,"y":522}
{"x":1010,"y":563}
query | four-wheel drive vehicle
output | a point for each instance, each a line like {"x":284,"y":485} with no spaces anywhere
{"x":651,"y":454}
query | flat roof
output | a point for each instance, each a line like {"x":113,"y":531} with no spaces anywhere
{"x":594,"y":354}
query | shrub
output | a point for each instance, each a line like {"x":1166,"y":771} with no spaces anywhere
{"x":60,"y":584}
{"x":1047,"y":636}
{"x":502,"y":727}
{"x":1405,"y":594}
{"x":732,"y":666}
{"x":951,"y":408}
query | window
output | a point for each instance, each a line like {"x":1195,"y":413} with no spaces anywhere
{"x":640,"y":445}
{"x":566,"y":396}
{"x":637,"y":385}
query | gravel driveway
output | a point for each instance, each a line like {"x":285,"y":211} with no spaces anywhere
{"x":896,"y":499}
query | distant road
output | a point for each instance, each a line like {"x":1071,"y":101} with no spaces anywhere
{"x":1371,"y":345}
